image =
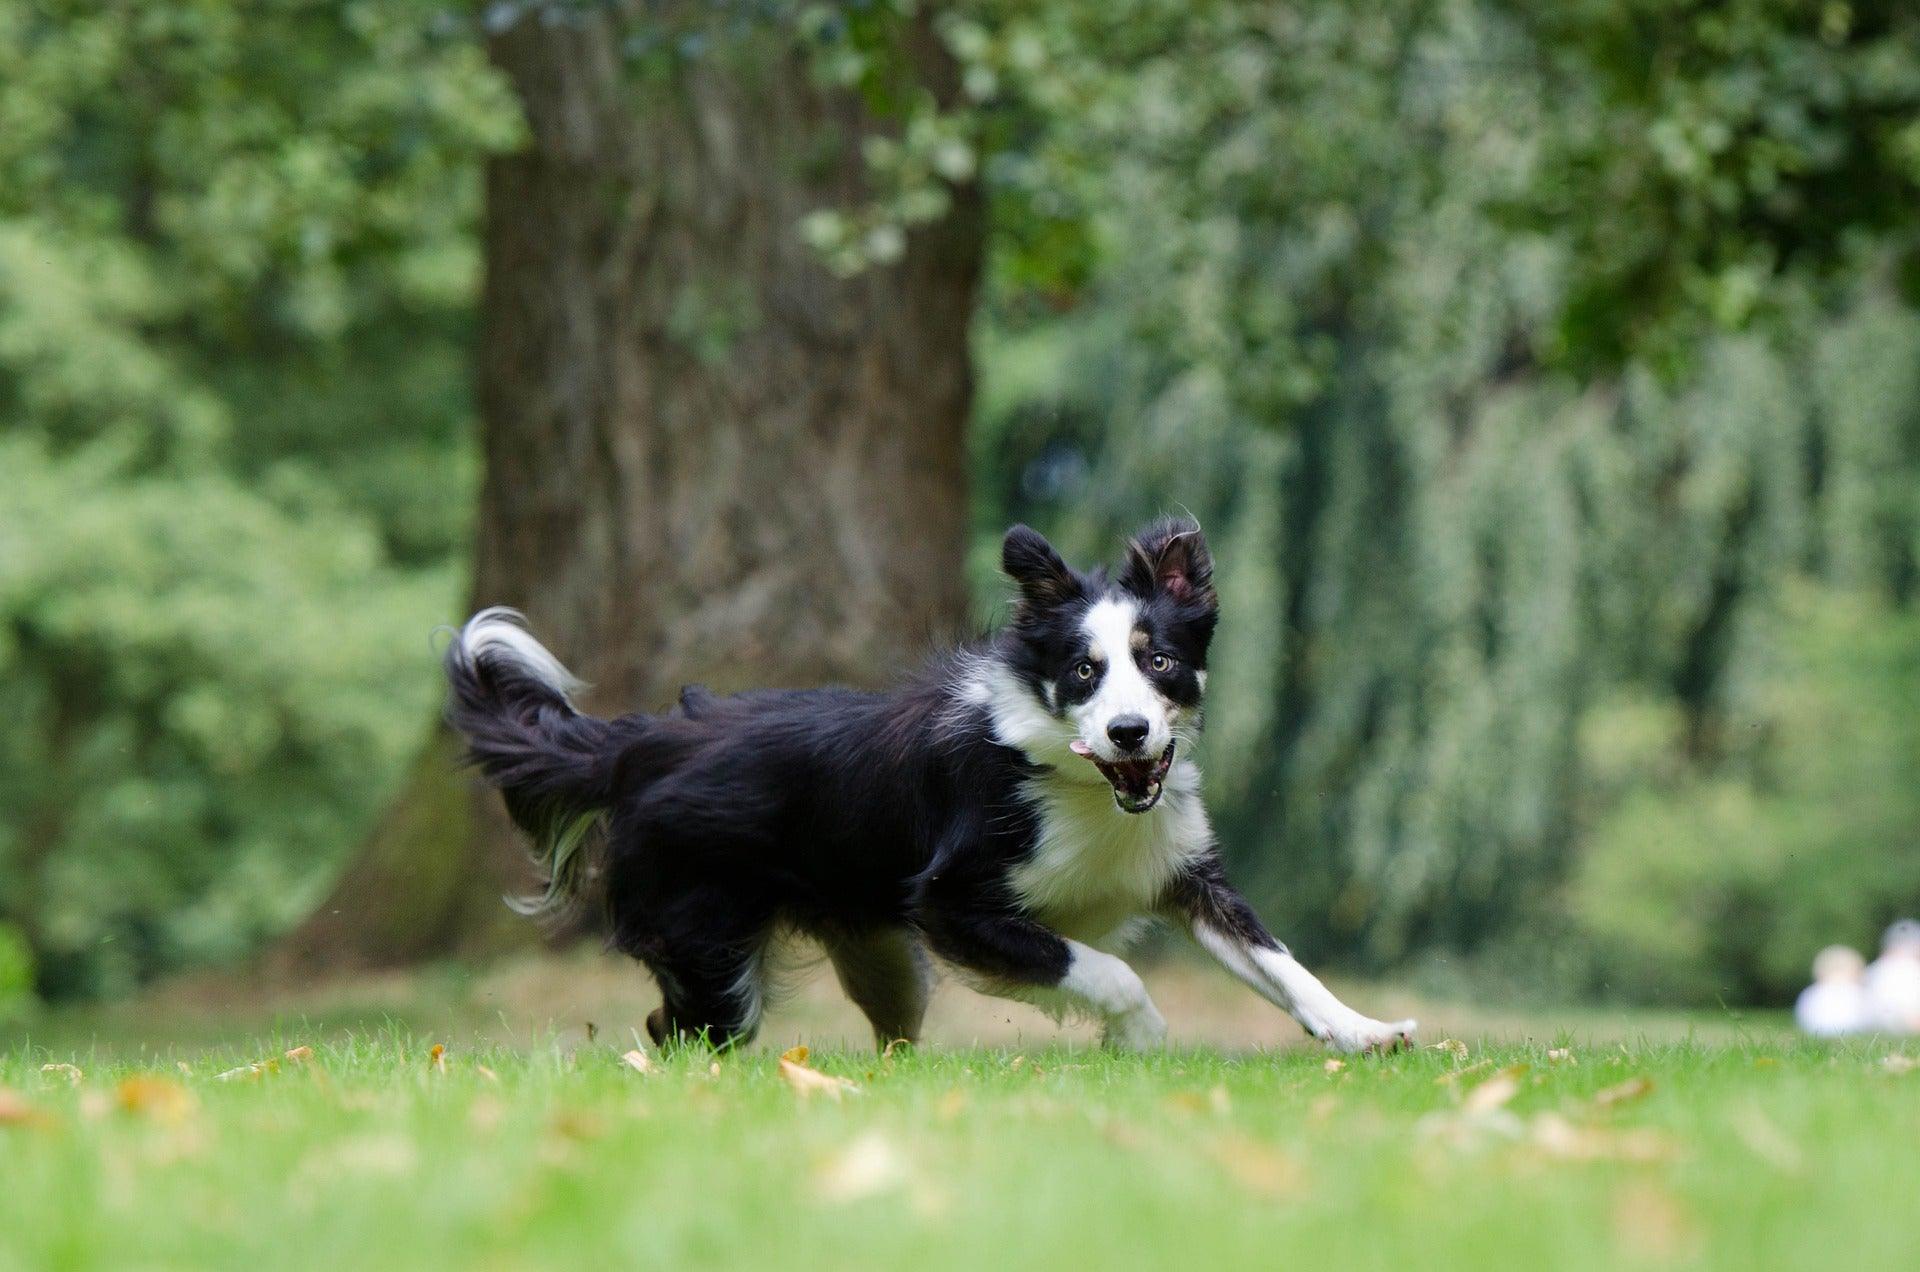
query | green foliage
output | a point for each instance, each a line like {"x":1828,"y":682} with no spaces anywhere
{"x":237,"y":272}
{"x":16,"y":974}
{"x":1394,"y":299}
{"x":1696,"y":885}
{"x":1734,"y":146}
{"x":243,"y":237}
{"x":208,"y":697}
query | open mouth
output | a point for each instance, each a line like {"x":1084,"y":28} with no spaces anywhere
{"x":1136,"y":783}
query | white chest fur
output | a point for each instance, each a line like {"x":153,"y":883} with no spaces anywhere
{"x":1094,"y":868}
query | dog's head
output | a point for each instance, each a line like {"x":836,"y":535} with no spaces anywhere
{"x":1117,"y":667}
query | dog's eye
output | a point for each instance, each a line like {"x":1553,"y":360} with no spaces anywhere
{"x":1160,"y":662}
{"x":1083,"y":669}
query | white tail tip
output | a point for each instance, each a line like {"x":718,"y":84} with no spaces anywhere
{"x":503,"y":633}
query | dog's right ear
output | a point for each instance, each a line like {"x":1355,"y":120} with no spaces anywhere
{"x":1043,"y":578}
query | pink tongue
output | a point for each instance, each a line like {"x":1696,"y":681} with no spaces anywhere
{"x":1080,"y":748}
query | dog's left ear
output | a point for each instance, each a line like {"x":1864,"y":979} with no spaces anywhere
{"x":1171,"y":556}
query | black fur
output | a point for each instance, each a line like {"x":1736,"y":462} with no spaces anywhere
{"x":864,"y":819}
{"x":1202,"y":893}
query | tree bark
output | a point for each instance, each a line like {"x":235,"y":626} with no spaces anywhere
{"x":707,"y":457}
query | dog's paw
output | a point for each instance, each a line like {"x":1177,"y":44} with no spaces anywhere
{"x":1141,"y":1029}
{"x":1373,"y":1037}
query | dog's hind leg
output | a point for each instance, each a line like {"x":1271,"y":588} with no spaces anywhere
{"x":888,"y":975}
{"x":712,"y":995}
{"x":709,"y":952}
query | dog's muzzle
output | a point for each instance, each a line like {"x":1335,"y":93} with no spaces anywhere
{"x":1137,"y":784}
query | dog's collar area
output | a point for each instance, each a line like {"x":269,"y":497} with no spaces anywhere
{"x":1137,"y":784}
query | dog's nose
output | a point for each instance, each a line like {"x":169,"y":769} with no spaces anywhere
{"x":1128,"y":731}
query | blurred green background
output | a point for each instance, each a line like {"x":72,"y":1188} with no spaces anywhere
{"x":1545,"y":372}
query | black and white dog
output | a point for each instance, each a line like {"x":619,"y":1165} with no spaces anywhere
{"x":1018,"y":810}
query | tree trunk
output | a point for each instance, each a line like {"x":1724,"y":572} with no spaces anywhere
{"x":707,"y":457}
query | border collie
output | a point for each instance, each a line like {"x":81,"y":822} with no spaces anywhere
{"x":1017,"y":810}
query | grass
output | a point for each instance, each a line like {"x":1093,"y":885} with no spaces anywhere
{"x":1562,"y":1152}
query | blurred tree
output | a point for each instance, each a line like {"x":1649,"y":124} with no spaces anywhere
{"x":1695,"y":157}
{"x":709,"y":455}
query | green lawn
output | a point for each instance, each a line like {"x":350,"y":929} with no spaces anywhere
{"x":1761,"y":1152}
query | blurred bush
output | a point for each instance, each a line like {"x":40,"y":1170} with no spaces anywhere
{"x":237,"y":274}
{"x":17,"y":996}
{"x":206,"y":696}
{"x":1696,"y":885}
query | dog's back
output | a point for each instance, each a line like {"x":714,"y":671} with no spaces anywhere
{"x":700,"y":830}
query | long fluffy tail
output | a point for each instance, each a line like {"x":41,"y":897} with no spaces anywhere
{"x":513,"y":702}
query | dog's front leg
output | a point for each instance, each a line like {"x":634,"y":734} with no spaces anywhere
{"x":1026,"y":959}
{"x":1106,"y":985}
{"x":1226,"y":927}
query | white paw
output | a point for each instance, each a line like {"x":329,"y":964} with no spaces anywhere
{"x":1141,"y":1029}
{"x":1362,"y":1034}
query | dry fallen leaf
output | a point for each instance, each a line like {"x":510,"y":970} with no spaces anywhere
{"x":153,"y":1096}
{"x":1897,"y":1064}
{"x":1461,"y":1130}
{"x":486,"y":1113}
{"x":260,"y":1068}
{"x":577,"y":1124}
{"x":1768,"y":1142}
{"x":1557,"y":1137}
{"x":1187,"y":1102}
{"x":1561,"y":1055}
{"x":1122,"y":1134}
{"x":1452,"y":1046}
{"x":1454,"y":1075}
{"x":378,"y":1154}
{"x":1494,"y":1092}
{"x":797,"y":1054}
{"x":638,"y":1061}
{"x":868,"y":1166}
{"x":950,"y":1105}
{"x":15,"y":1111}
{"x":807,"y":1082}
{"x":1334,"y":1066}
{"x":1259,"y":1168}
{"x":487,"y":1073}
{"x":1651,"y":1225}
{"x":1622,"y":1092}
{"x":437,"y":1058}
{"x":71,"y":1072}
